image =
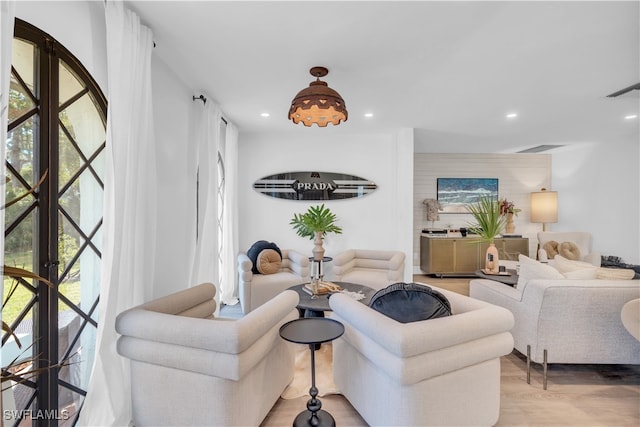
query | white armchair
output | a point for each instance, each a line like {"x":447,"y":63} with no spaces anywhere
{"x":191,"y":369}
{"x":376,"y":269}
{"x":581,"y":239}
{"x":437,"y":372}
{"x":255,"y":289}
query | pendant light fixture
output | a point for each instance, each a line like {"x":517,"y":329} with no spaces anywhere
{"x":318,"y":103}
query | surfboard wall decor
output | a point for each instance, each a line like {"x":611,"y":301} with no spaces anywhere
{"x":314,"y":186}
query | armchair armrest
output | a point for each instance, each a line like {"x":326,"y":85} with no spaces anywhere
{"x":593,"y":258}
{"x":298,"y":263}
{"x":542,"y":255}
{"x":343,"y":263}
{"x":219,"y":347}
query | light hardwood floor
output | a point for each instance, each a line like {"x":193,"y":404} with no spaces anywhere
{"x":577,"y":395}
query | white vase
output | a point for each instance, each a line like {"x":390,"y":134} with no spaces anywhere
{"x":318,"y":250}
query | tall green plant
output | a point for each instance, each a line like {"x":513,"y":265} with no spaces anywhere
{"x":317,"y":219}
{"x":489,"y":221}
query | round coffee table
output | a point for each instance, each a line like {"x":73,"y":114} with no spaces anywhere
{"x":312,"y":331}
{"x":310,"y":306}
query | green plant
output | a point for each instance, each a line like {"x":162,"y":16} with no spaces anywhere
{"x":489,"y":220}
{"x":317,"y":219}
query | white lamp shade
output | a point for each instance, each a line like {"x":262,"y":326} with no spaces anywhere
{"x":544,"y":207}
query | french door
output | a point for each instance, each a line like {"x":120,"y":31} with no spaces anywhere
{"x":56,"y":133}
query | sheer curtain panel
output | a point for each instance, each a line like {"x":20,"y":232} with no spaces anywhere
{"x":129,"y":210}
{"x":230,"y":222}
{"x":204,"y":263}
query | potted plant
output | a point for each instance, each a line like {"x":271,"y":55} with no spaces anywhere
{"x":489,"y":222}
{"x":315,"y":223}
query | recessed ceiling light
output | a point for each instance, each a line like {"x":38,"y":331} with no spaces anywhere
{"x":368,"y":114}
{"x":265,"y":114}
{"x":511,"y":115}
{"x":631,"y":116}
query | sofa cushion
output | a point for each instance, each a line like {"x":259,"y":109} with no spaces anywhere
{"x":258,"y":247}
{"x":410,"y":302}
{"x":569,"y":250}
{"x":531,"y":269}
{"x":571,"y":269}
{"x":269,"y":261}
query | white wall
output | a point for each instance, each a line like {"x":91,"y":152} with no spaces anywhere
{"x":598,"y":188}
{"x":176,"y":163}
{"x":380,"y":220}
{"x":518,"y":175}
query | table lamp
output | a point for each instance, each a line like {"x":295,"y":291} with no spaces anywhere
{"x":544,"y":207}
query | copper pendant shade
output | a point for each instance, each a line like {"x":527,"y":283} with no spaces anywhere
{"x":318,"y":103}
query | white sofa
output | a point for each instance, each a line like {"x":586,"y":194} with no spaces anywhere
{"x":567,"y":320}
{"x":191,"y":369}
{"x":373,"y":268}
{"x":256,"y":289}
{"x":581,"y":239}
{"x":440,"y":372}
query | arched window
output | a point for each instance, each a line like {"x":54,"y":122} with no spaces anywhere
{"x":56,"y":131}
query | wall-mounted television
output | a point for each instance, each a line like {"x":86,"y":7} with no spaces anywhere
{"x":454,"y":194}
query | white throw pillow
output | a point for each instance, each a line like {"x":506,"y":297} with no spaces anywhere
{"x":574,"y":269}
{"x":531,"y":269}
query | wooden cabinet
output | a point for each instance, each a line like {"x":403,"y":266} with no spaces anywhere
{"x":464,"y":255}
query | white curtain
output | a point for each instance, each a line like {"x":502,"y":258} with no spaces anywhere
{"x":7,"y":18}
{"x":205,"y":260}
{"x":230,"y":220}
{"x":129,"y":210}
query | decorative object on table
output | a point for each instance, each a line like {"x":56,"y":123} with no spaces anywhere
{"x":455,"y":194}
{"x":312,"y":331}
{"x":433,"y":207}
{"x":318,"y":104}
{"x":509,"y":210}
{"x":314,"y":186}
{"x":544,"y":207}
{"x":308,"y":306}
{"x":315,"y":223}
{"x":489,"y":223}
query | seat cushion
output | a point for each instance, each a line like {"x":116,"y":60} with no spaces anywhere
{"x":255,"y":250}
{"x":410,"y":302}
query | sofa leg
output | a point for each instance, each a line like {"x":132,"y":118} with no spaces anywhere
{"x":528,"y":364}
{"x":544,"y":369}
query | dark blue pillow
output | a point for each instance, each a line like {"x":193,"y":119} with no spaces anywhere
{"x":410,"y":302}
{"x":258,"y":247}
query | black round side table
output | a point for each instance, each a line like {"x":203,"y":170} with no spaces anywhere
{"x":312,"y":331}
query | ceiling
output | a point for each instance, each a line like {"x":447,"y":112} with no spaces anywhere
{"x":451,"y":70}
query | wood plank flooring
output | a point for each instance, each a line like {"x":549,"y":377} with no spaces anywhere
{"x":577,"y":395}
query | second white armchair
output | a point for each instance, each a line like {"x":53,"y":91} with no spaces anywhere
{"x":376,"y":269}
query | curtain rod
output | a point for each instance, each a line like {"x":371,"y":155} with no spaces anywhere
{"x":204,"y":101}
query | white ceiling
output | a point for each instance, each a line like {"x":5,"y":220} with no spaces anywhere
{"x":451,"y":70}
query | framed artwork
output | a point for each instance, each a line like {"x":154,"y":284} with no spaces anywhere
{"x":454,"y":194}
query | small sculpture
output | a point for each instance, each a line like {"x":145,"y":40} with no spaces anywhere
{"x":433,"y":208}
